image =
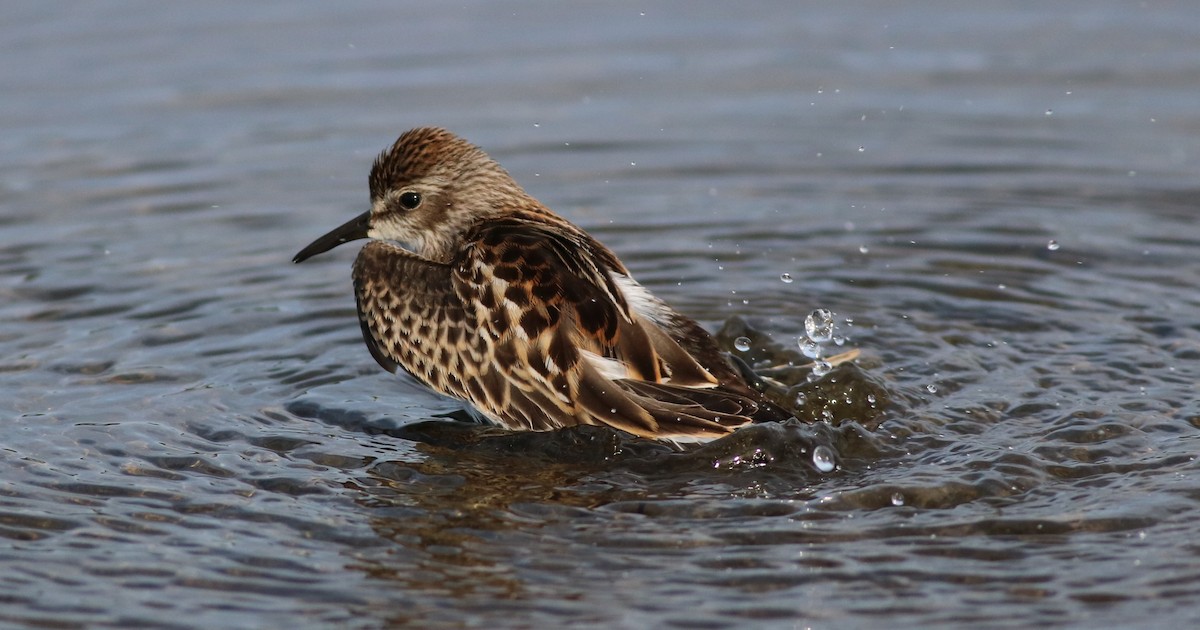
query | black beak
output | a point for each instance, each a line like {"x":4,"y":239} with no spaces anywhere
{"x":351,"y":230}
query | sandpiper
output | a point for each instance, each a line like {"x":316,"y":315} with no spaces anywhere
{"x":483,"y":294}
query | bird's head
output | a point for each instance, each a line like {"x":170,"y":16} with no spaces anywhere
{"x":426,"y":191}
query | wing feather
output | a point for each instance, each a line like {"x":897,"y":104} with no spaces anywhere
{"x":561,"y":296}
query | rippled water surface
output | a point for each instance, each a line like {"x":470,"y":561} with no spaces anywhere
{"x":998,"y":203}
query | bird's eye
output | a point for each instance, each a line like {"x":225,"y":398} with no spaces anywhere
{"x":410,"y":200}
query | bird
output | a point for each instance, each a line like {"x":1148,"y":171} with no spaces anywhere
{"x":483,"y":294}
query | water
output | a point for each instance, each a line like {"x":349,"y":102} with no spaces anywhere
{"x":196,"y":437}
{"x":818,"y":326}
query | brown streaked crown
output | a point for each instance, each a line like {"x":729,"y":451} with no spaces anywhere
{"x":427,"y":152}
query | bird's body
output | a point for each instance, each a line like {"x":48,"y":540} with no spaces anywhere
{"x":495,"y":300}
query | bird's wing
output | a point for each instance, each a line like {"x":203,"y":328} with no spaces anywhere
{"x":545,"y":300}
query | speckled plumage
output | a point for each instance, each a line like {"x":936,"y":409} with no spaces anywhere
{"x":497,"y":301}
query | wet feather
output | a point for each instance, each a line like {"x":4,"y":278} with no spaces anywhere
{"x":536,"y":325}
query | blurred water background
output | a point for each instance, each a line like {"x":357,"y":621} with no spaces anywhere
{"x":997,"y":201}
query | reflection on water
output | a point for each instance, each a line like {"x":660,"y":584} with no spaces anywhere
{"x":197,"y":438}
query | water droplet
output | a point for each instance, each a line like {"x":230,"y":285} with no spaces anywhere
{"x":1052,"y":245}
{"x":809,"y":348}
{"x":742,"y":344}
{"x":931,"y":388}
{"x":821,"y":368}
{"x":786,"y":277}
{"x":801,"y":399}
{"x":819,"y":325}
{"x":861,"y":148}
{"x":871,"y":399}
{"x":897,"y":499}
{"x":823,"y":458}
{"x":1050,"y":112}
{"x":863,"y":249}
